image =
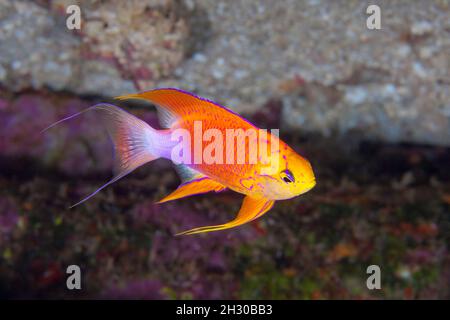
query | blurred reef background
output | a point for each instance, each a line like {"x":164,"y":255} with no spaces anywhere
{"x":369,"y":108}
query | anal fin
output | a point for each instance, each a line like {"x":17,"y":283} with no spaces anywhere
{"x":251,"y":209}
{"x":192,"y":187}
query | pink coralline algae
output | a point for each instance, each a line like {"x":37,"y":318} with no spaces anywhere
{"x":145,"y":42}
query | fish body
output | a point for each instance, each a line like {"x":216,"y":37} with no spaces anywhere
{"x":213,"y":148}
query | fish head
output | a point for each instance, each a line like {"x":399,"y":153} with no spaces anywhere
{"x":290,"y":175}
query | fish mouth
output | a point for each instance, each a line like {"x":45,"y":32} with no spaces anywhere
{"x":311,"y":185}
{"x":308,"y":186}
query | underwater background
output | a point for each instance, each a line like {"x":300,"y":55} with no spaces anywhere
{"x":370,"y":109}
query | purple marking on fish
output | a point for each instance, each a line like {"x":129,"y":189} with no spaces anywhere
{"x":248,"y":188}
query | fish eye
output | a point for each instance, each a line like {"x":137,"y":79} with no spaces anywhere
{"x":287,"y":176}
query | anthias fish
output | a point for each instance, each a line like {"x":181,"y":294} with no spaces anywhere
{"x":280,"y":174}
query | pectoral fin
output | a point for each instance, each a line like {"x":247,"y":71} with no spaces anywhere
{"x":197,"y":186}
{"x":251,"y":209}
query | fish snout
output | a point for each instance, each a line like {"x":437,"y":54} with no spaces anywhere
{"x":312,"y":182}
{"x":308,"y":185}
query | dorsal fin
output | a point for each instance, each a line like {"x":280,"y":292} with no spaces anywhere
{"x":174,"y":103}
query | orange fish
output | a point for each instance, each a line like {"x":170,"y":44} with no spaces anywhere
{"x":201,"y":135}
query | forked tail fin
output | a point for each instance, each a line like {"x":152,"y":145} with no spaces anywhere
{"x":133,"y":139}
